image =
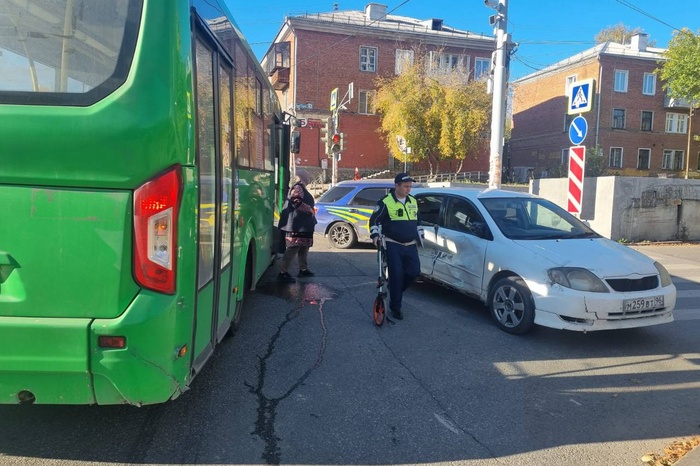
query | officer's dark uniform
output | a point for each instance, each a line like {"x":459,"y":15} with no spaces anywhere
{"x":398,"y":223}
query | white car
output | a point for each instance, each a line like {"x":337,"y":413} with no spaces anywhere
{"x":531,"y":262}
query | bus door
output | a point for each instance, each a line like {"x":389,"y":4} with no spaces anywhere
{"x":214,"y":146}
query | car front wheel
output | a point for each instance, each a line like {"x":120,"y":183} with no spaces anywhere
{"x":342,"y":235}
{"x":512,"y":306}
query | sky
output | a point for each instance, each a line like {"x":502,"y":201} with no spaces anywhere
{"x":546,"y":31}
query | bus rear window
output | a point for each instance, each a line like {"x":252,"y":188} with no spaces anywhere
{"x":69,"y":52}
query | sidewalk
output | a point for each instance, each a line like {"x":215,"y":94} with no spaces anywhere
{"x":688,"y":252}
{"x":692,"y":458}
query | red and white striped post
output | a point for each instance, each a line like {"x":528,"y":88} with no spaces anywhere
{"x":577,"y":163}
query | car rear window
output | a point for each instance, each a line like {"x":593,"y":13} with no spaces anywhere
{"x":336,"y":193}
{"x":369,"y":196}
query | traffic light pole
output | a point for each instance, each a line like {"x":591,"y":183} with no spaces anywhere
{"x":333,"y":153}
{"x":498,"y":116}
{"x":336,"y":146}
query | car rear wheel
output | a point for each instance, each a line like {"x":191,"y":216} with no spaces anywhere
{"x":342,"y":235}
{"x":512,"y":306}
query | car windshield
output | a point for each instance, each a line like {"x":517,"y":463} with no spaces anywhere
{"x":535,"y":219}
{"x":335,"y":193}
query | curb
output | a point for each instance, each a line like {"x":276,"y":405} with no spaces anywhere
{"x":664,"y":243}
{"x":692,"y":458}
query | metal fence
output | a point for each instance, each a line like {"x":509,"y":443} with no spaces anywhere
{"x":464,"y":177}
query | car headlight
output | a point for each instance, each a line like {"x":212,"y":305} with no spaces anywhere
{"x":577,"y":278}
{"x":663,"y":274}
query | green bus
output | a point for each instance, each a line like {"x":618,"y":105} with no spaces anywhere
{"x":143,"y":158}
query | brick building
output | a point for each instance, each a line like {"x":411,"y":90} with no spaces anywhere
{"x":639,"y":130}
{"x":313,"y":54}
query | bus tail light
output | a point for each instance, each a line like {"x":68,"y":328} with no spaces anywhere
{"x":156,"y":209}
{"x":107,"y":341}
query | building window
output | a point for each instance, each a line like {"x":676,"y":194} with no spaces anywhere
{"x":569,"y":81}
{"x":649,"y":84}
{"x":621,"y":80}
{"x":446,"y":62}
{"x":404,"y":60}
{"x":258,"y":97}
{"x":368,"y":59}
{"x":676,"y":122}
{"x":615,"y":157}
{"x":366,"y":102}
{"x":618,"y":118}
{"x":699,"y":161}
{"x":647,"y":120}
{"x":643,"y":159}
{"x":673,"y":159}
{"x":482,"y":68}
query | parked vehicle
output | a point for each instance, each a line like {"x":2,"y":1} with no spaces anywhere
{"x":531,"y":262}
{"x":343,"y":211}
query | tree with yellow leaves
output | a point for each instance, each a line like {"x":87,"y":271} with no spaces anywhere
{"x":441,"y":115}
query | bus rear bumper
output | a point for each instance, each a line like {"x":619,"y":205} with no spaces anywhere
{"x":60,"y":360}
{"x":45,"y":361}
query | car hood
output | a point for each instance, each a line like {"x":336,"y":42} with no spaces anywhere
{"x":601,"y":256}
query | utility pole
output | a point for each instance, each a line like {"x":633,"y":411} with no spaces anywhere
{"x":690,"y":136}
{"x":498,"y":117}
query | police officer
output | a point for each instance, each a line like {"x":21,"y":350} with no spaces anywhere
{"x":396,"y":218}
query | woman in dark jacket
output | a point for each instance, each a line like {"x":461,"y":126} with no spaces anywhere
{"x":298,"y":227}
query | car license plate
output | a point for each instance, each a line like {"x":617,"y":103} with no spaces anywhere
{"x":642,"y":304}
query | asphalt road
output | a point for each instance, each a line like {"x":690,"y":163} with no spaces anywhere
{"x":310,"y":380}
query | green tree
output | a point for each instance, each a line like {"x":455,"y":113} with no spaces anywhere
{"x":681,"y":69}
{"x":595,"y":162}
{"x":680,"y":73}
{"x":440,"y":116}
{"x":620,"y":34}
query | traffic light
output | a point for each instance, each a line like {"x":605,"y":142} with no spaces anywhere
{"x":324,"y":136}
{"x":295,"y":144}
{"x":335,"y":145}
{"x":342,"y":142}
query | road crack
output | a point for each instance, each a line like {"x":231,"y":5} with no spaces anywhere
{"x":267,"y":406}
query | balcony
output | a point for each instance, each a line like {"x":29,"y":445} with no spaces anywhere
{"x":280,"y":78}
{"x":670,"y":102}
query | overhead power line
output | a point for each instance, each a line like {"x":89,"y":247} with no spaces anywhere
{"x":631,"y":6}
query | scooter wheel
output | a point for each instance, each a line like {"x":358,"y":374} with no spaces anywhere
{"x":379,"y":311}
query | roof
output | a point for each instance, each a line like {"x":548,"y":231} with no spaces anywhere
{"x":474,"y":192}
{"x":432,"y":30}
{"x":606,"y":48}
{"x":391,"y":23}
{"x":367,"y":182}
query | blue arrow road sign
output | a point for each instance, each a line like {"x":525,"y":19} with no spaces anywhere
{"x":578,"y":130}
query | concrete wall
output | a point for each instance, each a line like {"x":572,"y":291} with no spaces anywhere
{"x":631,"y":208}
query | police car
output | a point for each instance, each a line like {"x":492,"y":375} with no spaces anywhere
{"x":343,"y":211}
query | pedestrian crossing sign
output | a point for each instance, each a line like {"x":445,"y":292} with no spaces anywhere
{"x":580,"y":96}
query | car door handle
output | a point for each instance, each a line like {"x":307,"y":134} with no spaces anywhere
{"x":353,"y":211}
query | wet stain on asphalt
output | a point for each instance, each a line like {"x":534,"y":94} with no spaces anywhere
{"x":301,"y":294}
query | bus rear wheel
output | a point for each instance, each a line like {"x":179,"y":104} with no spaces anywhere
{"x":240,"y":303}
